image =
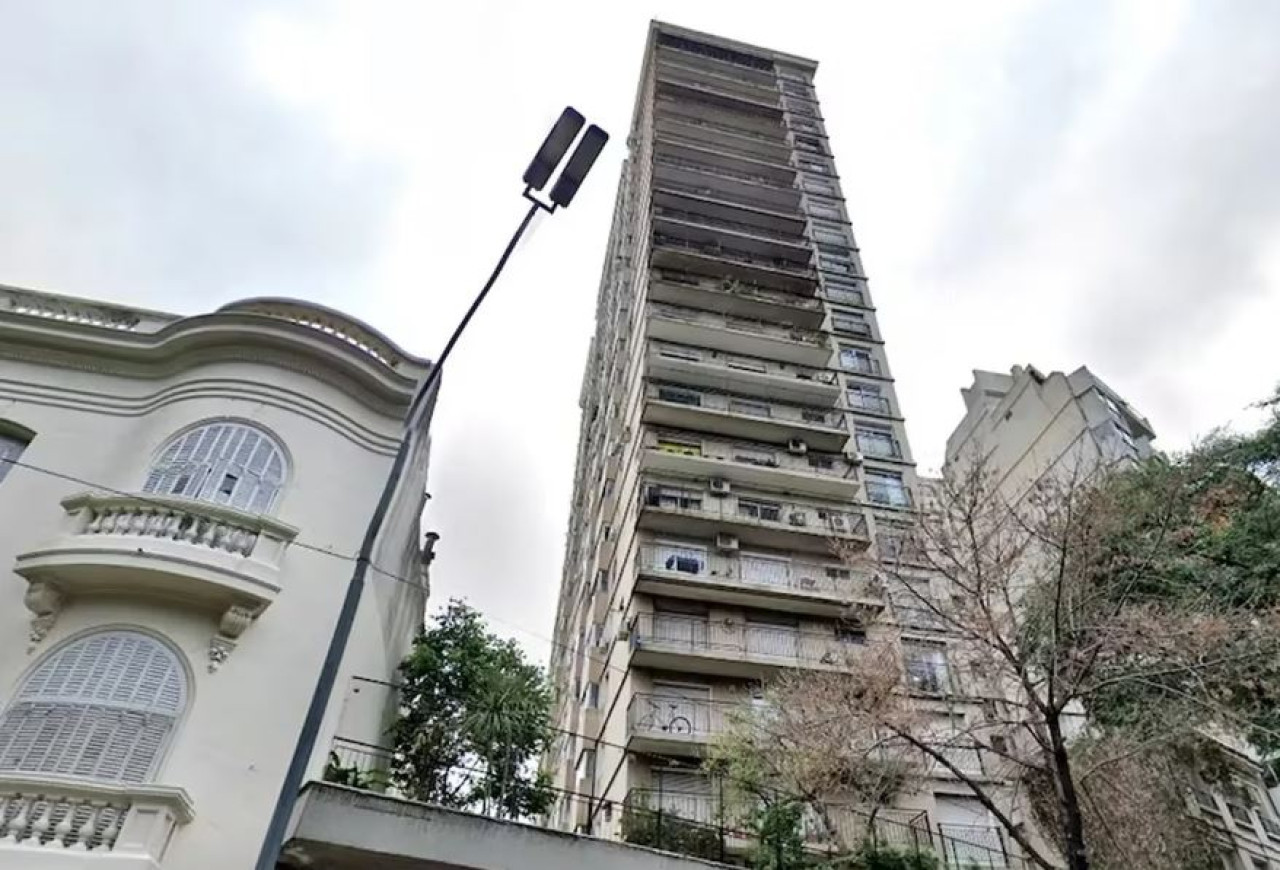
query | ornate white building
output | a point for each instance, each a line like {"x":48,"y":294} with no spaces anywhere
{"x":180,"y":499}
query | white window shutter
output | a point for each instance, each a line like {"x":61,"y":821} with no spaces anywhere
{"x":223,"y":463}
{"x":101,"y":708}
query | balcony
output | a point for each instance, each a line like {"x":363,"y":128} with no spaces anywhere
{"x":694,"y":509}
{"x":749,"y":188}
{"x":674,"y":725}
{"x":729,"y":81}
{"x":680,"y":407}
{"x":206,"y":555}
{"x":725,"y":61}
{"x":736,"y":299}
{"x":698,"y":221}
{"x":713,"y":132}
{"x":691,"y":454}
{"x":731,"y":647}
{"x":766,"y":113}
{"x":694,"y":571}
{"x":755,"y":338}
{"x":700,"y":158}
{"x":56,"y":821}
{"x":703,"y":367}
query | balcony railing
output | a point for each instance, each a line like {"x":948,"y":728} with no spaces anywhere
{"x":737,"y":363}
{"x":764,"y":91}
{"x":779,"y":264}
{"x":739,"y":288}
{"x":749,"y":456}
{"x":761,"y":643}
{"x":724,"y":171}
{"x":722,"y":223}
{"x":62,"y":815}
{"x":832,"y":580}
{"x":671,"y":717}
{"x":726,"y":128}
{"x":729,"y":196}
{"x":739,"y":324}
{"x":824,"y":418}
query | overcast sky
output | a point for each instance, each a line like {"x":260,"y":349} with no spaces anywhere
{"x":1051,"y":183}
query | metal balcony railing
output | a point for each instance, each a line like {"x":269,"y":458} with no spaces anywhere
{"x":738,"y":324}
{"x":761,"y":456}
{"x":731,"y":197}
{"x":737,"y":226}
{"x":832,"y":580}
{"x":730,"y":361}
{"x":739,"y":288}
{"x":778,"y":264}
{"x":825,"y":418}
{"x":726,"y":128}
{"x":678,"y":718}
{"x":763,"y":643}
{"x":724,"y":171}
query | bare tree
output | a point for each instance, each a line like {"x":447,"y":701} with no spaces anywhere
{"x":1044,"y":615}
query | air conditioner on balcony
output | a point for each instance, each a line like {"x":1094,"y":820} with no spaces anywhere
{"x":797,"y":518}
{"x":798,"y":447}
{"x":839,"y":523}
{"x":719,"y":486}
{"x":726,"y":543}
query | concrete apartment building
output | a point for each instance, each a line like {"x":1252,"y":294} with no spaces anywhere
{"x":1027,"y":424}
{"x":182,"y":485}
{"x":738,"y":417}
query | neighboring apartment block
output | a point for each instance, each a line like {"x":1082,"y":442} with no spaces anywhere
{"x":180,"y":502}
{"x":738,"y":418}
{"x":1026,"y":425}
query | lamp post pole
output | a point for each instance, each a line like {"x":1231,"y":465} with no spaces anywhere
{"x":545,"y":162}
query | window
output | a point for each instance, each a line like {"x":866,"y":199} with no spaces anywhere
{"x":672,"y":497}
{"x":818,"y":185}
{"x":877,"y":442}
{"x":859,"y":359}
{"x":102,"y":707}
{"x":745,"y":406}
{"x":867,"y":397}
{"x":685,"y":353}
{"x":225,"y":463}
{"x":755,"y":456}
{"x":682,"y":559}
{"x":11,"y":447}
{"x":679,"y":396}
{"x":591,"y":698}
{"x":887,"y":488}
{"x":760,"y":510}
{"x":821,"y":460}
{"x":926,"y":668}
{"x":834,"y":236}
{"x":836,"y":264}
{"x":683,"y":448}
{"x":747,"y":364}
{"x":847,"y":321}
{"x":825,"y":210}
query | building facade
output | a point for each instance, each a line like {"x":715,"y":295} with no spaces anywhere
{"x":739,"y":427}
{"x":1027,"y":425}
{"x":180,"y":499}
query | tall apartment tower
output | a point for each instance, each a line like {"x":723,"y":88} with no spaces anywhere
{"x":739,"y":421}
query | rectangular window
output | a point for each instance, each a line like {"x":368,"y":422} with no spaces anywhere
{"x":685,"y":353}
{"x":821,"y":460}
{"x":877,"y":442}
{"x":847,"y":321}
{"x":587,"y":764}
{"x":682,"y":448}
{"x":680,"y":558}
{"x":592,"y":699}
{"x":813,"y":164}
{"x":859,"y":359}
{"x":818,"y":185}
{"x":755,"y":456}
{"x":746,"y":406}
{"x":887,"y":488}
{"x":680,"y":396}
{"x":11,"y":448}
{"x":831,"y":236}
{"x":926,"y":668}
{"x":832,"y":264}
{"x":841,"y":292}
{"x":673,"y":497}
{"x":867,"y":397}
{"x":747,"y":364}
{"x":760,"y":510}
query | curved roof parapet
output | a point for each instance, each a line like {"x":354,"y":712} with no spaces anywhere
{"x":329,"y":321}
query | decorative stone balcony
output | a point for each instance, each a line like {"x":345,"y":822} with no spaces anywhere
{"x":58,"y":822}
{"x":201,"y":554}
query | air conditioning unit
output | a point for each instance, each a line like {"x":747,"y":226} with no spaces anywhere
{"x":798,"y":447}
{"x":839,"y":523}
{"x":797,"y":518}
{"x":719,"y":486}
{"x":726,"y":543}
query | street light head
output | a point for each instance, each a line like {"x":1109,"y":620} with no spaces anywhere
{"x":553,"y":148}
{"x":580,"y":163}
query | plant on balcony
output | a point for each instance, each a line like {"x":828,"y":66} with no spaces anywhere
{"x":475,"y":717}
{"x":662,"y":829}
{"x":351,"y":775}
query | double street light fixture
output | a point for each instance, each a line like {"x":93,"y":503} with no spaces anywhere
{"x":545,"y":163}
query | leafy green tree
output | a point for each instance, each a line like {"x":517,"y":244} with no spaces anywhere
{"x":475,"y":717}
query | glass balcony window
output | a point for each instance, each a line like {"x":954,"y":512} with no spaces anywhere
{"x":877,"y":442}
{"x":867,"y":397}
{"x":887,"y":488}
{"x":850,"y":322}
{"x":926,"y":666}
{"x":858,"y":359}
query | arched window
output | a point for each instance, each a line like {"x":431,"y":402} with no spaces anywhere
{"x":101,"y":707}
{"x":226,"y":463}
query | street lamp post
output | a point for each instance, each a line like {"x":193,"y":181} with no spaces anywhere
{"x":549,"y":157}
